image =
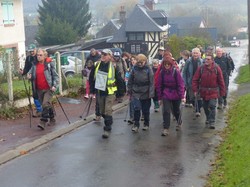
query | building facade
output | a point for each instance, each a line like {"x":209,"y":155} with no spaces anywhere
{"x":12,"y":35}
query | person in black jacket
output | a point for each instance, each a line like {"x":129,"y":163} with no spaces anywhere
{"x":226,"y":68}
{"x":105,"y":81}
{"x":30,"y":60}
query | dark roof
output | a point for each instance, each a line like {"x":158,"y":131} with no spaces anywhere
{"x":185,"y":22}
{"x":119,"y":36}
{"x":139,"y":20}
{"x":109,"y":29}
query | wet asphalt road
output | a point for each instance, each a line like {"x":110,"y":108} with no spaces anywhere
{"x":83,"y":158}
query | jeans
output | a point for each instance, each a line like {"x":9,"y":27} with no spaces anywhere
{"x":144,"y":107}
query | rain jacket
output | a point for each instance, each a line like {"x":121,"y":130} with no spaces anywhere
{"x":170,"y":84}
{"x":209,"y":82}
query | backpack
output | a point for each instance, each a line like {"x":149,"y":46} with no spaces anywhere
{"x":215,"y":68}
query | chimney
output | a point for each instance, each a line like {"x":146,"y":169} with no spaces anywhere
{"x":149,"y":4}
{"x":122,"y":14}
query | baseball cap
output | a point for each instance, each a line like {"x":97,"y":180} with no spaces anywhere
{"x":31,"y":47}
{"x":107,"y":51}
{"x":161,"y":48}
{"x":117,"y":54}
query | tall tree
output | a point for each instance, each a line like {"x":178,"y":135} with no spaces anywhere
{"x":73,"y":14}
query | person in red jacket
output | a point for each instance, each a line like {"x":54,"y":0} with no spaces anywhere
{"x":209,"y":83}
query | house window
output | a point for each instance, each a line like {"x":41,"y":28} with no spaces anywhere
{"x":135,"y":49}
{"x":8,"y":15}
{"x":136,"y":36}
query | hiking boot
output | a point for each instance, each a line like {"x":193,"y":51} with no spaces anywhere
{"x":165,"y":132}
{"x":41,"y":125}
{"x":211,"y":126}
{"x":197,"y":114}
{"x":105,"y":134}
{"x":156,"y":109}
{"x":37,"y":114}
{"x":135,"y":129}
{"x":207,"y":122}
{"x":52,"y":121}
{"x":97,"y":118}
{"x":145,"y":127}
{"x":178,"y":127}
{"x":130,"y":122}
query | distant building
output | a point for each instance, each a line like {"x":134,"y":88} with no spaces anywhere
{"x":12,"y":36}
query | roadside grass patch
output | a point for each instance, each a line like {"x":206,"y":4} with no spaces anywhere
{"x":244,"y":75}
{"x":232,"y":164}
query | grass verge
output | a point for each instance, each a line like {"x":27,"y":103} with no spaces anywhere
{"x":232,"y":164}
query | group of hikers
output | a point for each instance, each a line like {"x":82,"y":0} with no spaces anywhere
{"x":195,"y":80}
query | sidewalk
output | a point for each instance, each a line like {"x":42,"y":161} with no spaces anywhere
{"x":17,"y":138}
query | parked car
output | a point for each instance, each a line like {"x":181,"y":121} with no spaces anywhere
{"x":77,"y":54}
{"x":71,"y":65}
{"x":235,"y":43}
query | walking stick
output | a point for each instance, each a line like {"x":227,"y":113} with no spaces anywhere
{"x":87,"y":108}
{"x":28,"y":95}
{"x":179,"y":121}
{"x":62,"y":108}
{"x":126,"y":114}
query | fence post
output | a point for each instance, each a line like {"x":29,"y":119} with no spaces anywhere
{"x":58,"y":61}
{"x":9,"y":78}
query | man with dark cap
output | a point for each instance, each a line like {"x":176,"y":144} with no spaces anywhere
{"x":30,"y":60}
{"x":105,"y":80}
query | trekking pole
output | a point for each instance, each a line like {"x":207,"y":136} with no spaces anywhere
{"x":179,"y":121}
{"x":87,"y":108}
{"x":126,"y":114}
{"x":62,"y":108}
{"x":28,"y":95}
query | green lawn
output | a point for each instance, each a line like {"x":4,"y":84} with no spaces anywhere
{"x":232,"y":166}
{"x":19,"y":89}
{"x":244,"y":75}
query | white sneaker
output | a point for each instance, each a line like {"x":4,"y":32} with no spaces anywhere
{"x":145,"y":127}
{"x":165,"y":132}
{"x":135,"y":129}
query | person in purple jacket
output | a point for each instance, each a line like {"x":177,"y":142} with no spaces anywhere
{"x":170,"y":90}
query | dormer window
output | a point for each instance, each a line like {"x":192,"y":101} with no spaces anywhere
{"x":136,"y":36}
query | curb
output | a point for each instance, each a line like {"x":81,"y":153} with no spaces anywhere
{"x":26,"y":148}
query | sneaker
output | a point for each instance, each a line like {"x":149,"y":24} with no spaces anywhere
{"x":165,"y":132}
{"x":97,"y":118}
{"x":178,"y":127}
{"x":142,"y":118}
{"x":130,"y":122}
{"x":105,"y":134}
{"x":198,"y":114}
{"x":37,"y":114}
{"x":145,"y":127}
{"x":41,"y":125}
{"x":135,"y":129}
{"x":220,"y":107}
{"x":86,"y":96}
{"x":93,"y":97}
{"x":207,"y":122}
{"x":156,"y":109}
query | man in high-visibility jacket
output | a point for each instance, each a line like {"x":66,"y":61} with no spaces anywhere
{"x":105,"y":80}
